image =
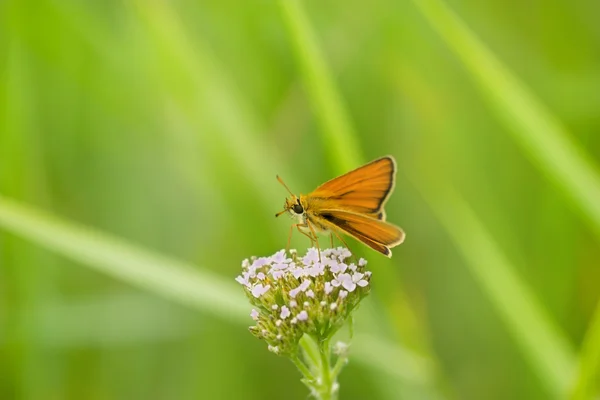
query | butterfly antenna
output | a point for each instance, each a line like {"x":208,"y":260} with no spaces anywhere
{"x":284,"y":185}
{"x":289,"y":191}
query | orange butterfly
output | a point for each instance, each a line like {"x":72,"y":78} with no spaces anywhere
{"x":352,"y":204}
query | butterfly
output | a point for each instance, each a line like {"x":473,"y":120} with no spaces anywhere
{"x":351,"y":204}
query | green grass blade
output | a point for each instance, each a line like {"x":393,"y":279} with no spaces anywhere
{"x":342,"y":146}
{"x":542,"y":343}
{"x":203,"y":89}
{"x":541,"y":135}
{"x":178,"y":281}
{"x":339,"y":138}
{"x":373,"y":351}
{"x":587,"y":385}
{"x":533,"y":127}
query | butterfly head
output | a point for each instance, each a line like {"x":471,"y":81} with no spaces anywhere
{"x":293,"y":204}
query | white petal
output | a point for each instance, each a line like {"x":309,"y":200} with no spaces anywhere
{"x":242,"y":281}
{"x":349,"y":285}
{"x":304,"y":285}
{"x":357,"y":276}
{"x":344,"y":277}
{"x":302,"y":316}
{"x":279,"y":266}
{"x":277,"y":274}
{"x":259,"y":290}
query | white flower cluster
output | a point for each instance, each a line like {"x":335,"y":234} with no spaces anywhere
{"x":295,"y":295}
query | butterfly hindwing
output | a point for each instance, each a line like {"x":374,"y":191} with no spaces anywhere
{"x":375,"y":233}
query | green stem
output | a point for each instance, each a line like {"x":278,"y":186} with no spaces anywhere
{"x":303,"y":369}
{"x":310,"y":352}
{"x":320,"y":378}
{"x":326,"y":391}
{"x":337,"y":368}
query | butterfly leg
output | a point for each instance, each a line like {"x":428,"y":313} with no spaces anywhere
{"x":287,"y":248}
{"x":312,"y":230}
{"x":353,"y":257}
{"x":331,"y":236}
{"x":312,"y":240}
{"x":299,"y":230}
{"x":341,"y":240}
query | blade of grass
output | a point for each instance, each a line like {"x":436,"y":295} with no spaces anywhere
{"x":57,"y":324}
{"x":19,"y":151}
{"x":542,"y":343}
{"x":541,"y":135}
{"x":373,"y":350}
{"x":208,"y":92}
{"x":173,"y":279}
{"x":338,"y":136}
{"x":199,"y":86}
{"x":176,"y":280}
{"x":587,"y":383}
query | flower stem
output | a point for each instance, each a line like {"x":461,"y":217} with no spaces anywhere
{"x":327,"y":389}
{"x":319,"y":377}
{"x":304,"y":369}
{"x":310,"y":351}
{"x":337,"y":368}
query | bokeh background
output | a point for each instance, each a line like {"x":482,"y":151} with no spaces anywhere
{"x":160,"y":126}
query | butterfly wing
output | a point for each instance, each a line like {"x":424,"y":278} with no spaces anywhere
{"x":363,"y":190}
{"x":377,"y":234}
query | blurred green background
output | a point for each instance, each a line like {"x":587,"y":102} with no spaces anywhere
{"x":161,"y":125}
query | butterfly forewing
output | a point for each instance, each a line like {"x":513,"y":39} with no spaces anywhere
{"x":363,"y":190}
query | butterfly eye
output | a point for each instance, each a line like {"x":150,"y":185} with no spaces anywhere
{"x":298,"y":209}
